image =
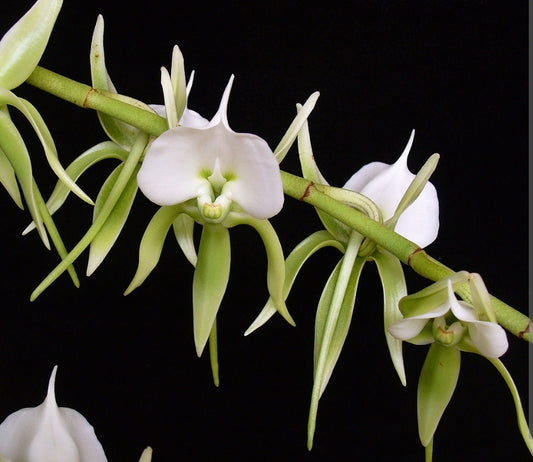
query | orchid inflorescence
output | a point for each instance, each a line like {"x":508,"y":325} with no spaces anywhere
{"x":199,"y":172}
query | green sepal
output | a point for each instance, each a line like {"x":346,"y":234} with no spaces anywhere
{"x":17,"y":154}
{"x":102,"y":151}
{"x":9,"y":180}
{"x":42,"y":132}
{"x":183,"y":227}
{"x":120,"y":132}
{"x":333,"y":318}
{"x":23,"y":45}
{"x":294,"y":128}
{"x":394,"y":288}
{"x":177,"y":79}
{"x":415,"y":188}
{"x":109,"y":232}
{"x":128,"y":169}
{"x":210,"y":280}
{"x":431,"y":296}
{"x":293,"y":263}
{"x":275,"y":259}
{"x":436,"y":385}
{"x":152,"y":244}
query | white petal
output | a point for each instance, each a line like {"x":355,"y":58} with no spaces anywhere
{"x":49,"y":433}
{"x":170,"y":173}
{"x":461,"y":310}
{"x":408,"y":328}
{"x":386,"y":184}
{"x":489,"y":338}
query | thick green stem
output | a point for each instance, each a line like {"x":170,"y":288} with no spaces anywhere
{"x":294,"y":186}
{"x":87,"y":97}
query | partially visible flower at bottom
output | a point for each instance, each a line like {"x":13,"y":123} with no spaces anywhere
{"x":49,"y":433}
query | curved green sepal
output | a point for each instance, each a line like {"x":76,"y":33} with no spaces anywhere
{"x":431,"y":296}
{"x":294,"y":128}
{"x":415,"y":188}
{"x":9,"y":180}
{"x":293,"y":263}
{"x":275,"y":259}
{"x":436,"y":385}
{"x":152,"y":244}
{"x":183,"y":227}
{"x":210,"y":280}
{"x":102,"y":151}
{"x":42,"y":132}
{"x":333,"y":319}
{"x":23,"y":45}
{"x":213,"y":354}
{"x":108,"y":234}
{"x":17,"y":154}
{"x":394,"y":288}
{"x":120,"y":132}
{"x":178,"y":80}
{"x":129,"y":167}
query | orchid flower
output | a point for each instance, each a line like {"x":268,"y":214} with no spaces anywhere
{"x":48,"y":432}
{"x":219,"y":179}
{"x":21,"y":49}
{"x":435,"y":316}
{"x":390,"y":194}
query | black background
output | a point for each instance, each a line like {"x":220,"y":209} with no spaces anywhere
{"x":454,"y":71}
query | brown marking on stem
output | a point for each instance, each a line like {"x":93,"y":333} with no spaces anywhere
{"x":525,"y":331}
{"x":85,"y":101}
{"x":307,"y":191}
{"x":412,"y":254}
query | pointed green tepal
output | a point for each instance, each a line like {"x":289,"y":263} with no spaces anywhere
{"x":435,"y":388}
{"x":23,"y":45}
{"x":210,"y":280}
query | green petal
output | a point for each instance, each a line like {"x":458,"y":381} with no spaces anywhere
{"x":9,"y":180}
{"x":276,"y":261}
{"x":177,"y":77}
{"x":42,"y":132}
{"x":333,"y":319}
{"x":15,"y":150}
{"x":431,"y":296}
{"x":293,"y":263}
{"x":292,"y":132}
{"x":152,"y":243}
{"x":435,"y":388}
{"x":102,"y":151}
{"x":184,"y":231}
{"x":394,"y":288}
{"x":415,"y":188}
{"x":210,"y":280}
{"x":108,"y":234}
{"x":120,"y":132}
{"x":129,"y":167}
{"x":23,"y":45}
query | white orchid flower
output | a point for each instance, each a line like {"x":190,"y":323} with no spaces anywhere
{"x":437,"y":304}
{"x":49,"y":433}
{"x":214,"y":165}
{"x":387,"y":184}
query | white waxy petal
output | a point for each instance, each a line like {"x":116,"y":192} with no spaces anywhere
{"x":460,"y":310}
{"x":48,"y":433}
{"x":406,"y":329}
{"x":180,"y":161}
{"x":386,"y":184}
{"x":489,"y":338}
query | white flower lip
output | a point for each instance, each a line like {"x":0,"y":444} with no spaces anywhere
{"x":180,"y":161}
{"x":386,"y":184}
{"x":49,"y":433}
